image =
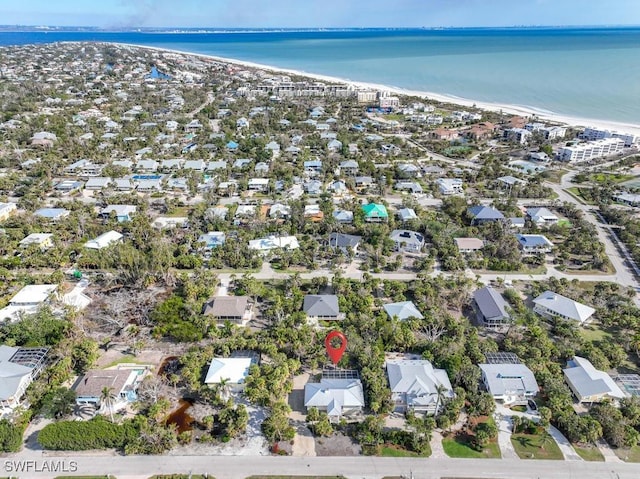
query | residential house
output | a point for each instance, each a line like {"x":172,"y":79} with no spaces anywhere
{"x":469,"y":245}
{"x":490,"y":308}
{"x":212,"y":239}
{"x":363,"y":182}
{"x":344,"y":242}
{"x":104,"y":240}
{"x":450,"y":186}
{"x":27,"y":301}
{"x":124,"y":184}
{"x":52,"y":214}
{"x":236,"y":309}
{"x":336,"y":397}
{"x":417,"y":386}
{"x":195,"y":165}
{"x":122,"y":383}
{"x":533,"y":244}
{"x":66,"y":187}
{"x":97,"y":183}
{"x":484,"y":214}
{"x":146,"y":166}
{"x":6,"y":210}
{"x":322,"y":307}
{"x":279,"y":211}
{"x":402,"y":310}
{"x":18,"y":368}
{"x":343,"y":216}
{"x":231,"y":371}
{"x":338,"y":187}
{"x":407,"y":241}
{"x":313,"y":213}
{"x":41,"y":240}
{"x":589,"y":384}
{"x":407,"y":214}
{"x":274,"y":242}
{"x":349,"y":167}
{"x":313,"y":187}
{"x":512,"y":384}
{"x":121,"y":212}
{"x":149,"y":185}
{"x":168,"y":222}
{"x":554,"y":305}
{"x":375,"y":213}
{"x":334,"y":145}
{"x":517,"y":135}
{"x":541,"y":216}
{"x":443,"y":134}
{"x":411,"y":186}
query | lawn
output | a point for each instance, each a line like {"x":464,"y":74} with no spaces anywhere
{"x":589,"y":453}
{"x":394,"y":451}
{"x":529,"y":446}
{"x":629,"y":455}
{"x":456,"y":448}
{"x":554,"y":176}
{"x":519,"y":408}
{"x":609,"y":177}
{"x":577,"y":193}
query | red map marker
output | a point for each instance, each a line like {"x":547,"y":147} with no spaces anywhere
{"x":335,"y":353}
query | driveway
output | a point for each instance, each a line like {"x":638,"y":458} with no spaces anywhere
{"x":505,"y":428}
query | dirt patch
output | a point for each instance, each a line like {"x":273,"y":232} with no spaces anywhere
{"x":119,"y":355}
{"x":337,"y":445}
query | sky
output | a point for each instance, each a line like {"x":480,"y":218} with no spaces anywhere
{"x":318,"y":13}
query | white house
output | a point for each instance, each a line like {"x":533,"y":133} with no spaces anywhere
{"x":589,"y":384}
{"x":233,"y":371}
{"x":6,"y":210}
{"x":336,"y":397}
{"x":509,"y":383}
{"x":27,"y":301}
{"x":104,"y":240}
{"x":274,"y":242}
{"x":450,"y":186}
{"x":416,"y":385}
{"x":18,"y":368}
{"x":550,"y":305}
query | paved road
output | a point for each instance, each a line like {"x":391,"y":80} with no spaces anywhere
{"x":624,"y":274}
{"x":237,"y":467}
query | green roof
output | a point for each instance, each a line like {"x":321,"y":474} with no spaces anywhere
{"x":374,"y":210}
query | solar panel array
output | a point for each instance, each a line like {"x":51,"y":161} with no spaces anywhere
{"x":335,"y":373}
{"x":502,"y":357}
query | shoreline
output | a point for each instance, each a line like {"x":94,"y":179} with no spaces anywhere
{"x":526,"y":111}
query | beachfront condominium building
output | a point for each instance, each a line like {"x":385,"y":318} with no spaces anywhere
{"x":590,"y":150}
{"x":593,"y":134}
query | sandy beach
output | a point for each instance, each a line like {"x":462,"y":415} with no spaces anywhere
{"x":540,"y":115}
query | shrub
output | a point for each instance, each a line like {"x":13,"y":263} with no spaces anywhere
{"x":97,"y":433}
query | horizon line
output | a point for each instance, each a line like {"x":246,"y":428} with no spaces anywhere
{"x":320,"y":28}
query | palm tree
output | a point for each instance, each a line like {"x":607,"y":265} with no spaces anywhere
{"x":545,"y":440}
{"x":107,"y":397}
{"x":224,"y":388}
{"x":440,"y":397}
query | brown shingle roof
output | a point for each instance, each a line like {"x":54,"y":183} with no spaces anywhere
{"x":226,"y":306}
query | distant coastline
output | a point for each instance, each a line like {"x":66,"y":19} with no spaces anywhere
{"x":576,"y":75}
{"x":523,"y":110}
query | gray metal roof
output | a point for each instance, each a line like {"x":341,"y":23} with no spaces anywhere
{"x":417,"y":377}
{"x":403,"y":310}
{"x":321,"y":305}
{"x":490,"y":303}
{"x":506,"y":379}
{"x":588,"y":381}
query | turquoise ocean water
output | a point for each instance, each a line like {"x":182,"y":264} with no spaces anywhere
{"x":589,"y":73}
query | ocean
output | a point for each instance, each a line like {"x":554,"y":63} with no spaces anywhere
{"x":582,"y":72}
